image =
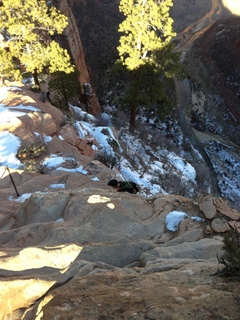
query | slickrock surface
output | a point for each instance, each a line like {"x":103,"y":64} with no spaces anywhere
{"x":87,"y":252}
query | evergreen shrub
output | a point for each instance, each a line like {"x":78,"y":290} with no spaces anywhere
{"x":231,"y":257}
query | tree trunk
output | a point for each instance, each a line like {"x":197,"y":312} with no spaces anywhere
{"x":135,"y":94}
{"x":132,"y":118}
{"x":64,"y":93}
{"x":35,"y":77}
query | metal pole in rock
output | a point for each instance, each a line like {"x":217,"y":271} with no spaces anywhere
{"x":18,"y":195}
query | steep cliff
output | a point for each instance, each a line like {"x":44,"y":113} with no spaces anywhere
{"x":83,"y":251}
{"x":73,"y":248}
{"x":207,"y":36}
{"x":73,"y":42}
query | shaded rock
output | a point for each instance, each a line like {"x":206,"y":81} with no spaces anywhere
{"x":208,"y":230}
{"x":70,"y":136}
{"x":119,"y":255}
{"x":42,"y":208}
{"x":7,"y":221}
{"x":99,"y":170}
{"x":202,"y":249}
{"x":108,"y":231}
{"x":128,"y":294}
{"x":220,"y":225}
{"x":163,"y":238}
{"x":188,"y":225}
{"x":235,"y":225}
{"x":189,"y":236}
{"x":166,"y":203}
{"x":208,"y":208}
{"x":63,"y":148}
{"x":19,"y":177}
{"x":224,"y":209}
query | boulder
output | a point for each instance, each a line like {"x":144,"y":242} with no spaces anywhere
{"x":208,"y":209}
{"x":225,"y":210}
{"x":220,"y":225}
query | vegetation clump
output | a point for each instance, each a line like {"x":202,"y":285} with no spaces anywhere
{"x":146,"y":53}
{"x":29,"y":156}
{"x":28,"y":30}
{"x":231,"y":257}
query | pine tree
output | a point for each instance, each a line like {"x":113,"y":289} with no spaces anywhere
{"x":146,"y":45}
{"x":29,"y":27}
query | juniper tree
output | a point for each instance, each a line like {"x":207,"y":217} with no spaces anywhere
{"x":145,"y":48}
{"x":29,"y":27}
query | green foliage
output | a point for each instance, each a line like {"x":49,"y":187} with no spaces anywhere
{"x":111,"y":160}
{"x":147,"y":90}
{"x":231,"y":256}
{"x":29,"y":27}
{"x":146,"y":52}
{"x":29,"y":156}
{"x":31,"y":152}
{"x":65,"y":86}
{"x":146,"y":30}
{"x":7,"y":65}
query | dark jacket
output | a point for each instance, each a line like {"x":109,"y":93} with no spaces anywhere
{"x":128,"y":186}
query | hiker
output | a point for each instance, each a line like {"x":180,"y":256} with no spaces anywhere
{"x":124,"y":186}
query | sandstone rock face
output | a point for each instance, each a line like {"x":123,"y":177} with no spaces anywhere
{"x":45,"y":120}
{"x":102,"y":247}
{"x":128,"y":294}
{"x":77,"y":52}
{"x":202,"y":249}
{"x":83,"y":251}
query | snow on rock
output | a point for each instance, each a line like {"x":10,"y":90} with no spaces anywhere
{"x":173,"y":219}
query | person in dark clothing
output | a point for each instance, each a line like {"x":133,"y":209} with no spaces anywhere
{"x":124,"y":186}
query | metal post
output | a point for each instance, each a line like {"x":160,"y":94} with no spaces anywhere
{"x":18,"y":195}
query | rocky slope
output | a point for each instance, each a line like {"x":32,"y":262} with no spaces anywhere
{"x":207,"y":102}
{"x":87,"y":252}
